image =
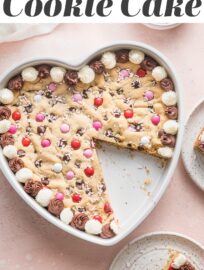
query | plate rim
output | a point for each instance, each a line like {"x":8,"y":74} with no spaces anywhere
{"x":157,"y":233}
{"x":198,"y":104}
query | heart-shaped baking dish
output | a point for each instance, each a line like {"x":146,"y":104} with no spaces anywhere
{"x":131,"y":200}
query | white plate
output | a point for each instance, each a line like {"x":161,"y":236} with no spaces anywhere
{"x":194,"y":160}
{"x":151,"y":252}
{"x":124,"y":171}
{"x":162,"y":26}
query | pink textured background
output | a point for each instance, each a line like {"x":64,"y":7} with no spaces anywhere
{"x":29,"y":242}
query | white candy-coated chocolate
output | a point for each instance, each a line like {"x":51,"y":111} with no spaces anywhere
{"x":179,"y":261}
{"x":93,"y":227}
{"x":159,"y":73}
{"x":10,"y":151}
{"x":44,"y":196}
{"x":29,"y":74}
{"x":171,"y":127}
{"x":109,"y":60}
{"x":66,"y":215}
{"x":57,"y":167}
{"x":145,"y":140}
{"x":114,"y":227}
{"x":169,"y":98}
{"x":57,"y":74}
{"x":136,"y":56}
{"x":4,"y":126}
{"x":165,"y":152}
{"x":86,"y":74}
{"x":6,"y":96}
{"x":23,"y":175}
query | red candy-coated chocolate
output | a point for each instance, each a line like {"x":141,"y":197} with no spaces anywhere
{"x":128,"y":113}
{"x":99,"y":218}
{"x":16,"y":116}
{"x":76,"y":198}
{"x":89,"y":171}
{"x":26,"y":141}
{"x":98,"y":102}
{"x":170,"y":268}
{"x":141,"y":72}
{"x":75,"y":144}
{"x":107,"y":208}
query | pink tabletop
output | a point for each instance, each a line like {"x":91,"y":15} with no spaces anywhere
{"x":29,"y":242}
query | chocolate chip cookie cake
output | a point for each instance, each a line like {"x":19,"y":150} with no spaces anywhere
{"x":180,"y":262}
{"x":199,"y":143}
{"x":51,"y":118}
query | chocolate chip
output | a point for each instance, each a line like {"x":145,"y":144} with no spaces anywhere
{"x":48,"y":94}
{"x":117,"y":113}
{"x":98,"y":67}
{"x":41,"y":130}
{"x":66,"y":157}
{"x":77,"y":163}
{"x":29,"y":108}
{"x":38,"y":163}
{"x":79,"y":184}
{"x":72,"y":109}
{"x":109,"y":133}
{"x":21,"y":153}
{"x":45,"y":181}
{"x":62,"y":143}
{"x":85,"y":94}
{"x":135,"y":84}
{"x":80,"y":131}
{"x":119,"y":91}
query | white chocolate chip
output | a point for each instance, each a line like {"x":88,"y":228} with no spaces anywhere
{"x":6,"y":96}
{"x":29,"y":74}
{"x":93,"y":227}
{"x":136,"y":56}
{"x":86,"y":74}
{"x":114,"y":227}
{"x":4,"y":126}
{"x":23,"y":175}
{"x":165,"y":152}
{"x":159,"y":73}
{"x":109,"y":60}
{"x":10,"y":151}
{"x":57,"y":74}
{"x":44,"y":196}
{"x":169,"y":98}
{"x":171,"y":127}
{"x":179,"y":261}
{"x":66,"y":215}
{"x":57,"y":167}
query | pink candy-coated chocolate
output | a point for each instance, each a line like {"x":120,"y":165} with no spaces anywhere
{"x":45,"y":143}
{"x":52,"y":87}
{"x":70,"y":175}
{"x":155,"y":120}
{"x":88,"y":153}
{"x":149,"y":95}
{"x":59,"y":196}
{"x":77,"y":97}
{"x":65,"y":128}
{"x":124,"y":73}
{"x":40,"y":117}
{"x":97,"y":125}
{"x":12,"y":129}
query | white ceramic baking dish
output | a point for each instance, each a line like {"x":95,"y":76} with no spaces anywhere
{"x":124,"y":172}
